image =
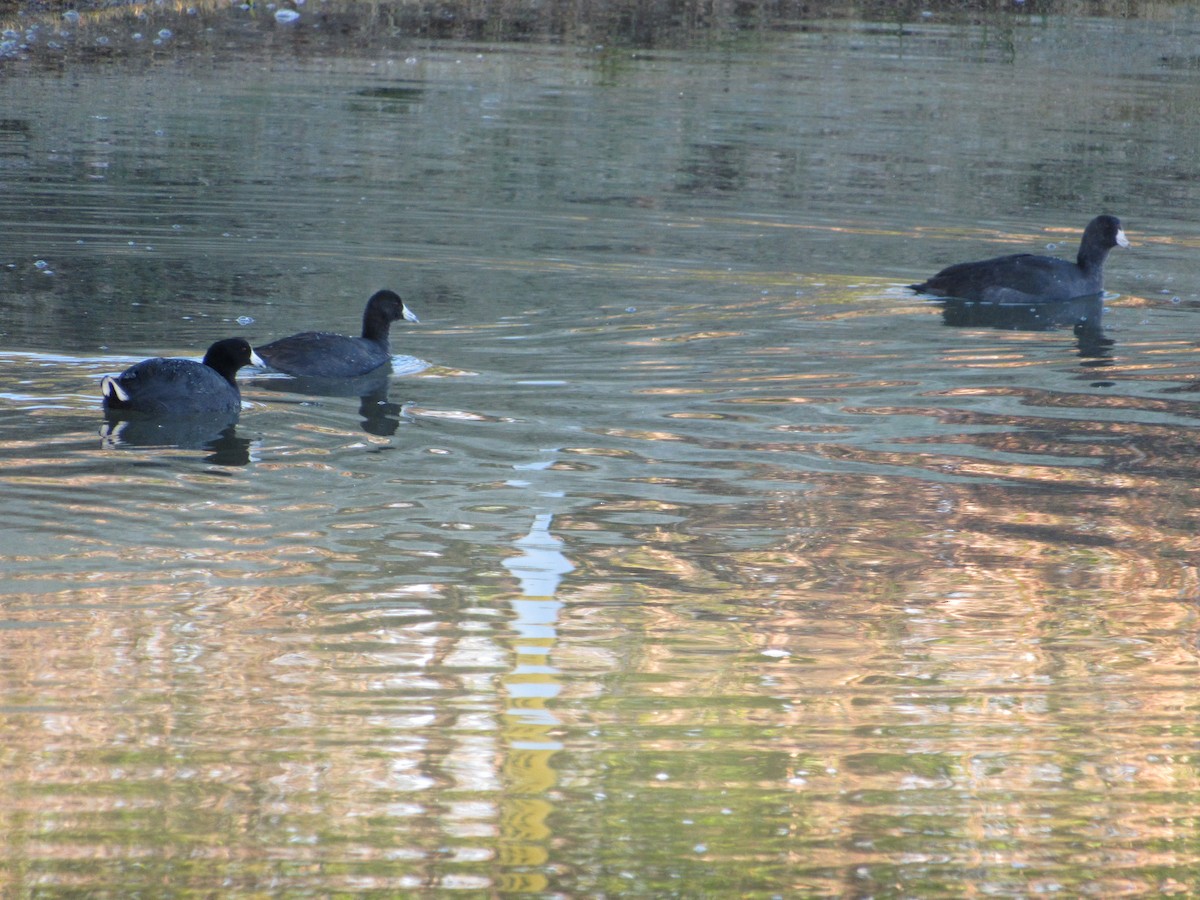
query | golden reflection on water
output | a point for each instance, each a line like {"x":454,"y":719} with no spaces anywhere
{"x":909,"y":659}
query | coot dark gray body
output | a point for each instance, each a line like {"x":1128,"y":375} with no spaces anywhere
{"x":1027,"y":278}
{"x":319,"y":354}
{"x":181,"y":387}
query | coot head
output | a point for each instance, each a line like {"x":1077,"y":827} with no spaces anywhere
{"x":227,"y":356}
{"x":384,"y":308}
{"x":1101,"y":235}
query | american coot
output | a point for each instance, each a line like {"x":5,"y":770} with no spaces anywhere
{"x":1026,"y":278}
{"x":182,"y":387}
{"x":319,"y":354}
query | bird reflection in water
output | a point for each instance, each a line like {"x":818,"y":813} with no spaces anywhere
{"x":215,"y":434}
{"x":379,"y":416}
{"x":1083,"y":315}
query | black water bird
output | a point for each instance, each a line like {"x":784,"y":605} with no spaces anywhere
{"x":1028,"y":278}
{"x":181,"y":387}
{"x":319,"y":354}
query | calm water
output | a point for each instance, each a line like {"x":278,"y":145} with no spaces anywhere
{"x":685,"y":554}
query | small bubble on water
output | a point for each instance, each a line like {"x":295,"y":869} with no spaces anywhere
{"x":102,"y":41}
{"x":286,"y":16}
{"x":631,"y":309}
{"x":245,"y":320}
{"x":71,"y":15}
{"x":41,"y":264}
{"x":165,"y":34}
{"x":138,"y":36}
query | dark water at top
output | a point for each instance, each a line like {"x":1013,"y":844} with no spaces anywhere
{"x":685,"y":553}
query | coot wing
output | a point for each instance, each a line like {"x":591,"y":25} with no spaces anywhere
{"x":319,"y":354}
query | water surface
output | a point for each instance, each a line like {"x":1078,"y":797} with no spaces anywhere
{"x":685,"y":552}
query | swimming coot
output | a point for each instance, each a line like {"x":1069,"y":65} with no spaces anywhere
{"x":182,"y":387}
{"x":1026,"y":278}
{"x":319,"y":354}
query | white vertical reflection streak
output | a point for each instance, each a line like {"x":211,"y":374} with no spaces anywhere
{"x":528,"y":774}
{"x":539,"y":569}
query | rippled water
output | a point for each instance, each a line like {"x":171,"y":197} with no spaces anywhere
{"x":685,"y":553}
